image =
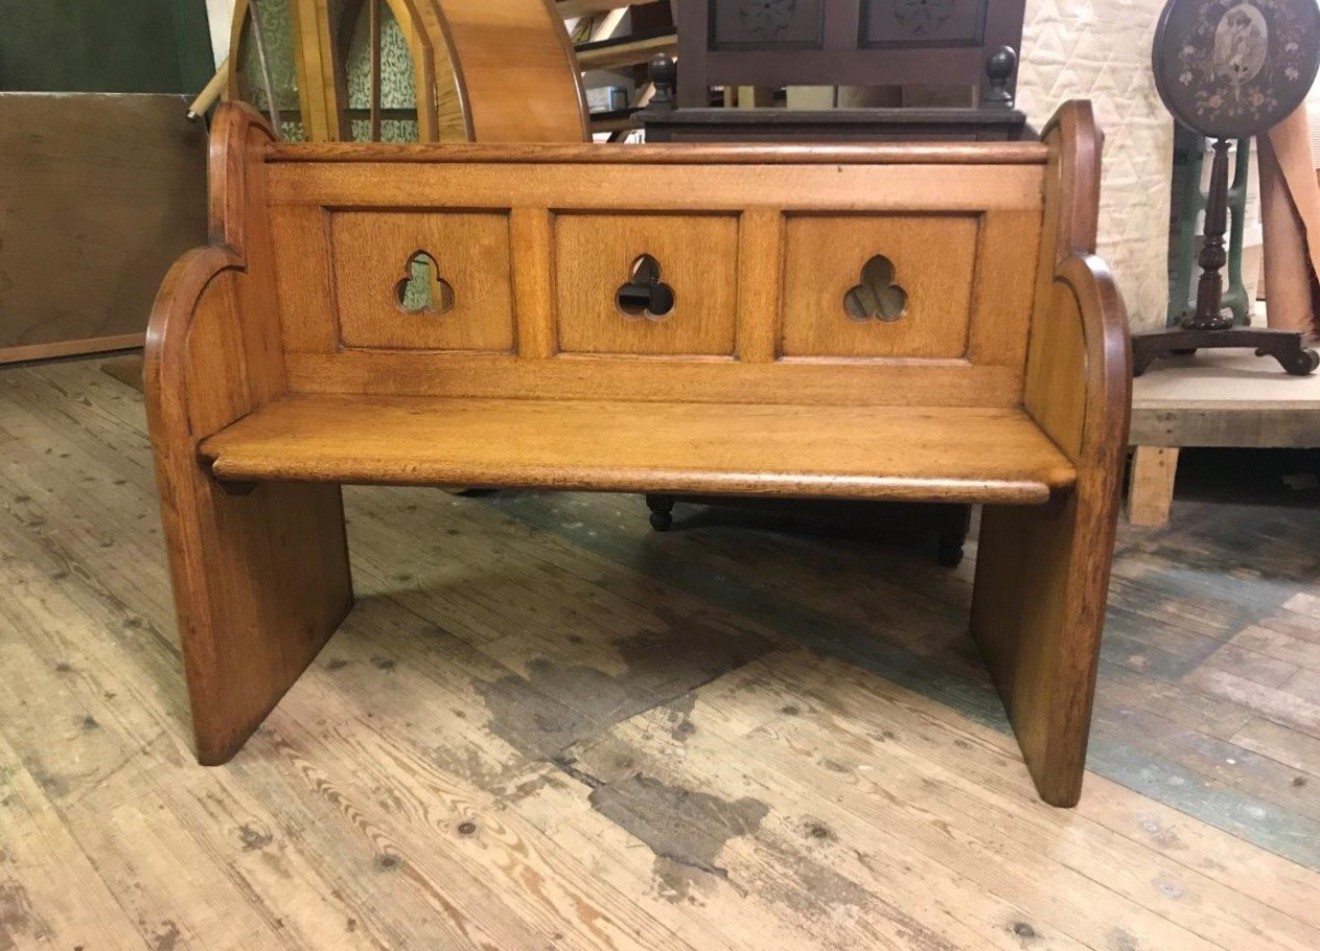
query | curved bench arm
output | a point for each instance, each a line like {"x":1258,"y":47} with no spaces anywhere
{"x":1108,"y":351}
{"x":182,"y":297}
{"x":213,"y":350}
{"x":1072,"y":185}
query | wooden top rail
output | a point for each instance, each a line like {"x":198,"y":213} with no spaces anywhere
{"x":890,"y":153}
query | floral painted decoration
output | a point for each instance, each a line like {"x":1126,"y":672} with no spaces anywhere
{"x":1233,"y":53}
{"x":767,"y":18}
{"x":922,"y":16}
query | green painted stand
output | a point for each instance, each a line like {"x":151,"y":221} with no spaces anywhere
{"x":1189,"y":151}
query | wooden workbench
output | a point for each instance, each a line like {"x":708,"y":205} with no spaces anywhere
{"x":1229,"y":398}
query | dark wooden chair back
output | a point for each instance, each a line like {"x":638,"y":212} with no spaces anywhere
{"x":842,"y":42}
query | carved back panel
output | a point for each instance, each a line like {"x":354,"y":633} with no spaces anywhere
{"x":788,"y":273}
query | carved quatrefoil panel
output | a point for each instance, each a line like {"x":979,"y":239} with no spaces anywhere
{"x":877,"y":296}
{"x":422,"y":290}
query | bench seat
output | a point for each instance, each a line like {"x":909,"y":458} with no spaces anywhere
{"x":853,"y":452}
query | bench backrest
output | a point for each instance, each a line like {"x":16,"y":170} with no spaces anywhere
{"x":880,"y":274}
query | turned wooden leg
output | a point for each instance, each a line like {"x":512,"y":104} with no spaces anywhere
{"x":1150,"y":490}
{"x":261,"y":581}
{"x":662,"y":508}
{"x":952,"y":536}
{"x":949,"y":550}
{"x":1037,"y":612}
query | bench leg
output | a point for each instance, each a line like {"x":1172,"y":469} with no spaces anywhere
{"x":1150,"y":490}
{"x":955,"y":522}
{"x":662,"y":508}
{"x":1037,"y":614}
{"x":261,"y":581}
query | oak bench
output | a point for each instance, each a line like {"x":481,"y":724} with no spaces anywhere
{"x":887,"y":322}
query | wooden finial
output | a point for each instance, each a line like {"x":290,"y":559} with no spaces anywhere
{"x":663,"y":71}
{"x":999,"y":67}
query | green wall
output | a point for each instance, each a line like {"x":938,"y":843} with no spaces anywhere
{"x":104,"y":46}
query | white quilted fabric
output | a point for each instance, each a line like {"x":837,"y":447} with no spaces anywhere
{"x":1100,"y":50}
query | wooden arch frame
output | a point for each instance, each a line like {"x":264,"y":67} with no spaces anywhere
{"x":441,"y":115}
{"x":317,"y":60}
{"x":525,"y":89}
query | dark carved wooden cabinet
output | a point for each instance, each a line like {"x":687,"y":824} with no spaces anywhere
{"x":771,"y":43}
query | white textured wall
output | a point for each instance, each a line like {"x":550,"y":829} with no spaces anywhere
{"x":220,"y":13}
{"x":1100,"y":50}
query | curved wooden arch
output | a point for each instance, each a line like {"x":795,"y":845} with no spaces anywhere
{"x":483,"y":70}
{"x":516,"y":70}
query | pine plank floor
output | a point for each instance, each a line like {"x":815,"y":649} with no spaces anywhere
{"x":545,"y":727}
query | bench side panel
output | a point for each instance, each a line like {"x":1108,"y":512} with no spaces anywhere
{"x":260,"y":578}
{"x":1042,"y":574}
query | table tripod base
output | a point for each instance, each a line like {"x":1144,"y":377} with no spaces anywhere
{"x":1283,"y":345}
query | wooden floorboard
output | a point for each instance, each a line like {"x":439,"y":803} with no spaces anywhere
{"x":544,"y":726}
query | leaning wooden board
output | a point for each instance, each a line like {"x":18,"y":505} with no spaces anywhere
{"x":100,"y":192}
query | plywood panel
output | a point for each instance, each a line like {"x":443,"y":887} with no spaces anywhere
{"x":99,"y":194}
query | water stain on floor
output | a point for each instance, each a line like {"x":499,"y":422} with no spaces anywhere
{"x":555,"y":706}
{"x":17,"y":922}
{"x":685,"y":829}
